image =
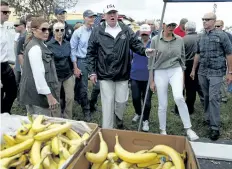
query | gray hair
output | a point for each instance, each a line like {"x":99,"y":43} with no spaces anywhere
{"x":58,"y":25}
{"x":190,"y":26}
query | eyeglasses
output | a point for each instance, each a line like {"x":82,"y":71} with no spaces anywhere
{"x":16,"y":26}
{"x":171,"y":25}
{"x":207,"y":19}
{"x":6,"y":12}
{"x":59,"y":30}
{"x":45,"y":30}
{"x":218,"y":26}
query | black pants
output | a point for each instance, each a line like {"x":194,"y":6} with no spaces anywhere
{"x":192,"y":87}
{"x":138,"y":94}
{"x":9,"y":90}
{"x":81,"y":95}
{"x":94,"y":94}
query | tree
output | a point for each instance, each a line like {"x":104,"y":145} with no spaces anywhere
{"x":40,"y":7}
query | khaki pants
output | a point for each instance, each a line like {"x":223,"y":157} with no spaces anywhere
{"x":114,"y":96}
{"x":69,"y":96}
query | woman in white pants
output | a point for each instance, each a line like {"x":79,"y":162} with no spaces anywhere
{"x":168,"y":69}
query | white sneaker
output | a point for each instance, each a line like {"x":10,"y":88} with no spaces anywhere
{"x":136,"y":118}
{"x":163,"y":132}
{"x":145,"y":126}
{"x":191,"y":135}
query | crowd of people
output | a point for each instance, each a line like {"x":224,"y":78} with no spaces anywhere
{"x":54,"y":63}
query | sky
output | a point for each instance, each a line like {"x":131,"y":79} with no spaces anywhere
{"x":152,"y":9}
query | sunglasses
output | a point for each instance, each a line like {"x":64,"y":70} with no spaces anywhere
{"x":218,"y":26}
{"x":16,"y":26}
{"x":45,"y":30}
{"x":171,"y":25}
{"x":6,"y":12}
{"x":207,"y":19}
{"x":59,"y":30}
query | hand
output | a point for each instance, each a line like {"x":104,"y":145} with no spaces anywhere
{"x":77,"y":72}
{"x":152,"y":86}
{"x":229,"y":78}
{"x":150,"y":52}
{"x":53,"y":104}
{"x":93,"y":79}
{"x":192,"y":74}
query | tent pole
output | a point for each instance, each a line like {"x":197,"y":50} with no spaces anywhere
{"x":153,"y":61}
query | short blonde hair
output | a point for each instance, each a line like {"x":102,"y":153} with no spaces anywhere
{"x":58,"y":25}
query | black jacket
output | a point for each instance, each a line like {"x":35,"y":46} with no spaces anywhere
{"x":110,"y":58}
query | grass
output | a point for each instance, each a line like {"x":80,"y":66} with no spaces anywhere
{"x":174,"y":124}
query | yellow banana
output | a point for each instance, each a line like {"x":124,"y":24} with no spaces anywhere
{"x":173,"y":167}
{"x":132,"y":157}
{"x":96,"y":165}
{"x":16,"y":149}
{"x":54,"y":125}
{"x":29,"y":116}
{"x":53,"y":164}
{"x":125,"y":164}
{"x":55,"y":146}
{"x":9,"y":140}
{"x":62,"y":159}
{"x":154,"y":166}
{"x":154,"y":161}
{"x":37,"y":125}
{"x":39,"y":164}
{"x":167,"y":165}
{"x":102,"y":153}
{"x":74,"y":148}
{"x":35,"y":152}
{"x":45,"y":135}
{"x":85,"y":136}
{"x":57,"y":160}
{"x":19,"y":138}
{"x":24,"y":129}
{"x":75,"y":145}
{"x":64,"y":150}
{"x":4,"y":146}
{"x":141,"y":151}
{"x":114,"y":166}
{"x":44,"y":152}
{"x":105,"y":165}
{"x":173,"y":154}
{"x":4,"y":162}
{"x":71,"y":134}
{"x":23,"y":160}
{"x":112,"y":157}
{"x":14,"y":163}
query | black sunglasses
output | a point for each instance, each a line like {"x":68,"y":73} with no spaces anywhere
{"x":207,"y":19}
{"x":6,"y":12}
{"x":61,"y":30}
{"x":45,"y":30}
{"x":217,"y":26}
{"x":171,"y":25}
{"x":16,"y":25}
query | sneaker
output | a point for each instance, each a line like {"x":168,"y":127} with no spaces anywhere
{"x":191,"y":135}
{"x":163,"y":132}
{"x":136,"y":118}
{"x":145,"y":126}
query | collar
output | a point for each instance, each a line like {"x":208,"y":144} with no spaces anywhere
{"x":87,"y":28}
{"x":117,"y":25}
{"x":212,"y":30}
{"x":53,"y":40}
{"x":173,"y":36}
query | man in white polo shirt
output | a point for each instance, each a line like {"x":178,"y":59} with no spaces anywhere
{"x":109,"y":62}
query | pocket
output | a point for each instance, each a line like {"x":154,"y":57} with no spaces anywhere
{"x":214,"y":44}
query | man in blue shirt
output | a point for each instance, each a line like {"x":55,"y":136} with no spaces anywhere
{"x":79,"y":44}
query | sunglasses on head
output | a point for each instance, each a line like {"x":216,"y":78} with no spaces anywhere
{"x":59,"y":30}
{"x":45,"y":30}
{"x":6,"y":12}
{"x":207,"y":19}
{"x":171,"y":25}
{"x":218,"y":26}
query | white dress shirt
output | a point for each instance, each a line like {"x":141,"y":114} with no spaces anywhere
{"x":114,"y":31}
{"x":4,"y":44}
{"x":38,"y":71}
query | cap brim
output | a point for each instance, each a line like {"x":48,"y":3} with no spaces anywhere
{"x":144,"y":32}
{"x":111,"y":10}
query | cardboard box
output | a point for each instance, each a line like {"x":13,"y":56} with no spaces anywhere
{"x":134,"y":141}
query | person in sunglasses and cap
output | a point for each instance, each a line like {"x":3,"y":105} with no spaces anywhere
{"x":169,"y":68}
{"x":62,"y":51}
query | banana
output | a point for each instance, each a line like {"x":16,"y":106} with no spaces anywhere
{"x":24,"y":129}
{"x":35,"y":152}
{"x":29,"y":116}
{"x":71,"y":134}
{"x":23,"y":160}
{"x":14,"y":163}
{"x":4,"y":146}
{"x":141,"y":151}
{"x":64,"y":150}
{"x":96,"y":165}
{"x":9,"y":140}
{"x":4,"y":162}
{"x":74,"y":148}
{"x":56,"y":159}
{"x":44,"y":152}
{"x":102,"y":153}
{"x":55,"y":146}
{"x":54,"y":125}
{"x":153,"y":166}
{"x":75,"y":145}
{"x":62,"y":159}
{"x":53,"y":164}
{"x":152,"y":162}
{"x":45,"y":135}
{"x":173,"y":167}
{"x":39,"y":164}
{"x":175,"y":156}
{"x":37,"y":125}
{"x":85,"y":136}
{"x":132,"y":157}
{"x":114,"y":166}
{"x":167,"y":165}
{"x":105,"y":165}
{"x":16,"y":149}
{"x":19,"y":138}
{"x":112,"y":157}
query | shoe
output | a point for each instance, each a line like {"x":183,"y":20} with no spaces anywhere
{"x":192,"y":135}
{"x":163,"y":132}
{"x":214,"y":135}
{"x":145,"y":126}
{"x":136,"y":118}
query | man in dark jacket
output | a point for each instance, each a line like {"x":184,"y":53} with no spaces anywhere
{"x":109,"y":62}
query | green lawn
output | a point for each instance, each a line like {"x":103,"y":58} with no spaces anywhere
{"x":174,"y":124}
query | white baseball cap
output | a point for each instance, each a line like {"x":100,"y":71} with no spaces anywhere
{"x":110,"y":7}
{"x":145,"y":29}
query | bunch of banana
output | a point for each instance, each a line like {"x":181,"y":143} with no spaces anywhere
{"x":40,"y":145}
{"x":159,"y":157}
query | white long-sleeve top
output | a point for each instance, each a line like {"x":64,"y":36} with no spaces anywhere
{"x":4,"y":37}
{"x":38,"y":71}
